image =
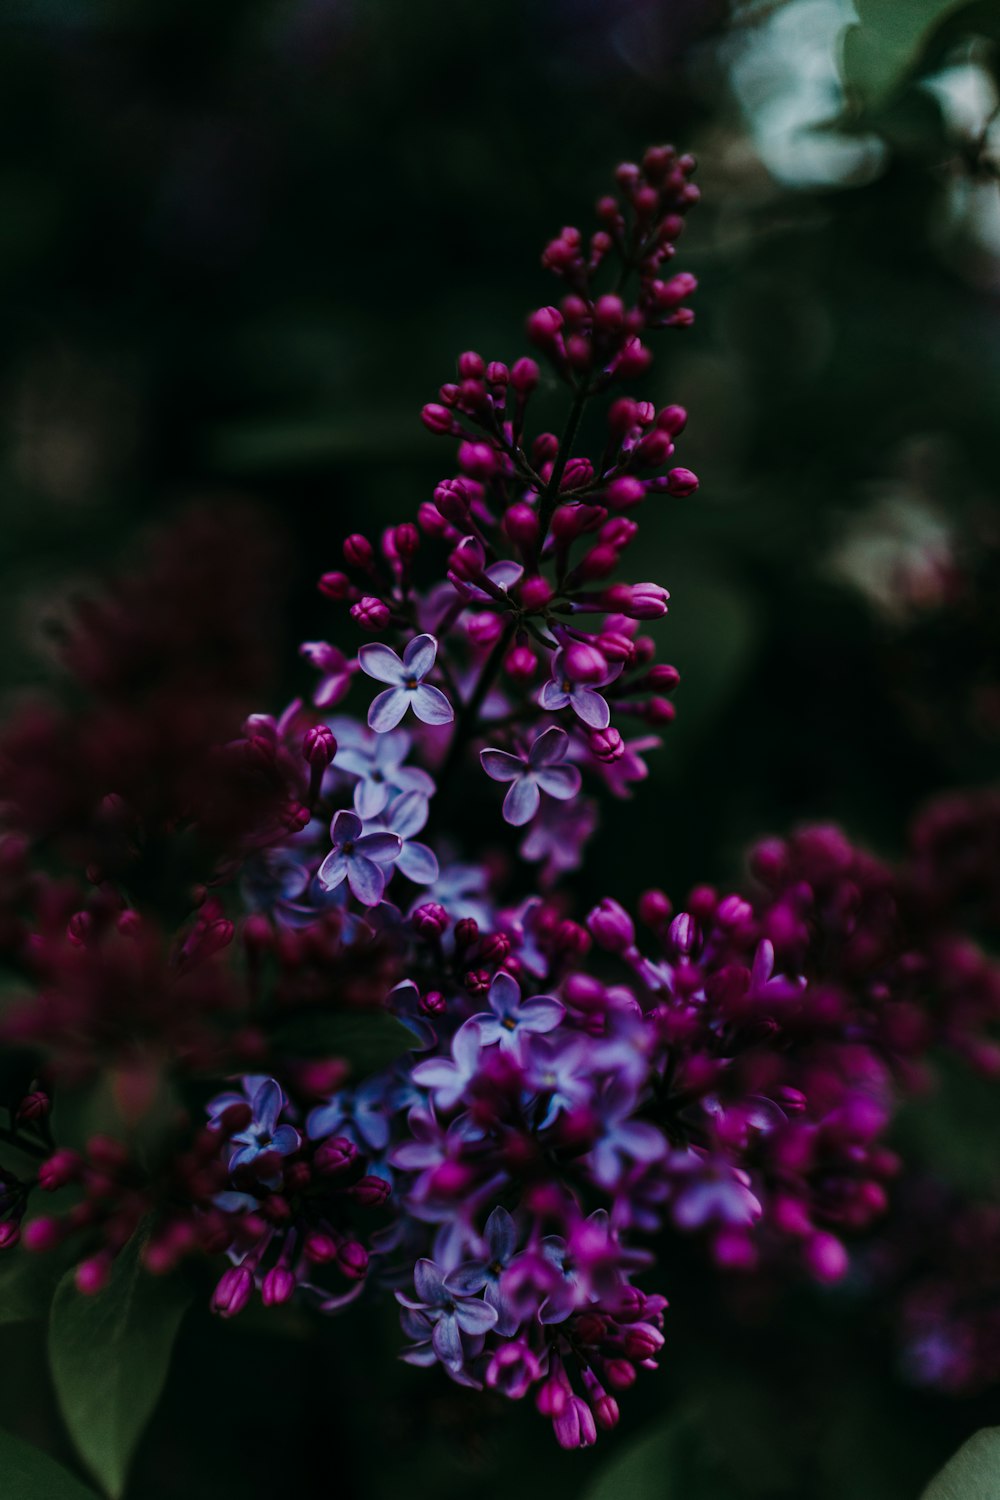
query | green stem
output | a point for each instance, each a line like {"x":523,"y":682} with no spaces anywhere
{"x":469,"y":713}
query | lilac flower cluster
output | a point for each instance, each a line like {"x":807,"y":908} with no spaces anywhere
{"x":555,"y":1092}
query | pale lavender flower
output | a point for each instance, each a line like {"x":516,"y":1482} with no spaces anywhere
{"x":359,"y":858}
{"x":448,"y":1080}
{"x":530,"y":775}
{"x":562,"y":692}
{"x":486,"y":1275}
{"x":449,"y":1312}
{"x":359,"y":1114}
{"x":558,"y":835}
{"x":710,"y":1190}
{"x":407,"y":686}
{"x":335,"y":670}
{"x":263,"y":1134}
{"x":622,"y":1138}
{"x":405,"y":817}
{"x":510,"y":1017}
{"x":380,"y":771}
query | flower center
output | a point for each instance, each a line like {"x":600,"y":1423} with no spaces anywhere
{"x":410,"y":683}
{"x":348,"y":847}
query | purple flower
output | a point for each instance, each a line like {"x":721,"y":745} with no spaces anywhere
{"x":335,"y":669}
{"x":561,"y":1069}
{"x":476,"y":1275}
{"x":405,"y":817}
{"x":407,"y":686}
{"x":710,"y":1190}
{"x":446,"y":1080}
{"x":512,"y":1017}
{"x":359,"y":1114}
{"x":558,"y":835}
{"x":380,"y":771}
{"x":358,"y":858}
{"x":448,"y":1310}
{"x":531,"y":774}
{"x":562,"y":692}
{"x":622,"y":1137}
{"x":263,"y":1134}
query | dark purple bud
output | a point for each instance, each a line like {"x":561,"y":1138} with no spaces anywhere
{"x":370,"y":1192}
{"x":625,"y":492}
{"x":92,"y":1275}
{"x":430,"y":920}
{"x":544,"y":325}
{"x":606,"y":745}
{"x":466,"y":932}
{"x":637,"y":601}
{"x":524,"y":376}
{"x":33,"y":1106}
{"x":358,"y":552}
{"x":319,"y":745}
{"x":371,"y":613}
{"x":335,"y":1156}
{"x":682,"y":482}
{"x":672,"y":419}
{"x":584,"y":663}
{"x":233,"y":1291}
{"x":278,"y":1286}
{"x":434,"y":1003}
{"x":335,"y":585}
{"x":438,"y":419}
{"x":683,"y":933}
{"x":471,"y":366}
{"x":611,"y":926}
{"x":352,"y":1259}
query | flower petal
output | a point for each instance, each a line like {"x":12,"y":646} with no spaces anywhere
{"x":447,"y":1340}
{"x":549,"y":747}
{"x":408,"y":814}
{"x":541,"y":1013}
{"x":500,"y":766}
{"x":429,"y":1283}
{"x":553,"y":696}
{"x":387,"y":709}
{"x":467,"y":1279}
{"x":419,"y":656}
{"x":285,"y":1140}
{"x":419,"y":864}
{"x":431,"y":706}
{"x":366,"y":880}
{"x":333,"y":871}
{"x":383,"y":848}
{"x":382,"y":663}
{"x":370,"y":797}
{"x":501,"y":1236}
{"x":590,"y":707}
{"x":521,"y":802}
{"x":504,"y":995}
{"x":475,"y":1317}
{"x":561,"y":782}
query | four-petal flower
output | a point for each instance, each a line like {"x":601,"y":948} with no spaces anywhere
{"x":359,"y":858}
{"x":530,"y":775}
{"x":407,"y":687}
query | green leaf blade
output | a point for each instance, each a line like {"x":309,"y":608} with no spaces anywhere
{"x":973,"y":1473}
{"x":29,"y":1474}
{"x":109,"y":1356}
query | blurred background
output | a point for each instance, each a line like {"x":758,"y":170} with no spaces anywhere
{"x":241,"y":244}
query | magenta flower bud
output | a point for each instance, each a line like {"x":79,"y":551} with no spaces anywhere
{"x":544,"y":448}
{"x":371,"y":614}
{"x":521,"y":524}
{"x":358,"y":552}
{"x":405,"y":539}
{"x":675,"y":291}
{"x":521,"y":663}
{"x":733,"y":911}
{"x":431,"y":520}
{"x":477,"y":459}
{"x":33,"y":1106}
{"x":319,"y":1247}
{"x":352,"y":1259}
{"x":642,"y":1341}
{"x":578,"y":472}
{"x":609,"y":314}
{"x":129,"y":924}
{"x":606,"y":1411}
{"x":92,"y":1276}
{"x":466,"y":932}
{"x":655,"y":909}
{"x":335,"y":585}
{"x":335,"y":1156}
{"x":683,"y":933}
{"x":233,"y":1291}
{"x":471,"y":366}
{"x":438,"y":419}
{"x":625,"y":492}
{"x":659,"y":711}
{"x":465,"y":563}
{"x":634,"y":360}
{"x":543,"y":326}
{"x":278,"y":1287}
{"x":584,"y":663}
{"x":319,"y":745}
{"x":524,"y":376}
{"x":672,"y":420}
{"x":663,"y":677}
{"x":654,"y":449}
{"x":553,"y":1396}
{"x":622,"y":416}
{"x":452,"y":498}
{"x":620,"y":1374}
{"x":430,"y":920}
{"x":10,"y":1233}
{"x":513,"y":1369}
{"x":497,"y":372}
{"x":606,"y":745}
{"x":611,"y":926}
{"x":434,"y":1003}
{"x":484,"y":628}
{"x":826,"y":1257}
{"x":599,"y":562}
{"x":638,"y":601}
{"x":574,"y":1427}
{"x":535,"y":593}
{"x":62,"y":1168}
{"x":370,"y":1192}
{"x":682,"y":482}
{"x":78,"y":928}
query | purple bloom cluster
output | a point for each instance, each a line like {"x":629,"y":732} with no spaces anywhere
{"x":558,"y":1092}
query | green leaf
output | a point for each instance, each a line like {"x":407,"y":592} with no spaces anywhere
{"x":368,"y":1040}
{"x":29,"y":1474}
{"x":109,"y":1356}
{"x":670,"y":1462}
{"x":974,"y":1472}
{"x":887,"y":43}
{"x":954,"y":1130}
{"x":27,"y":1283}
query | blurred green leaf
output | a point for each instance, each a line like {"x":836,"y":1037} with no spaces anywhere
{"x":109,"y":1356}
{"x":668,"y":1463}
{"x":974,"y":1472}
{"x":27,"y":1283}
{"x":368,"y":1040}
{"x":954,"y":1130}
{"x":886,"y":43}
{"x":29,"y":1474}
